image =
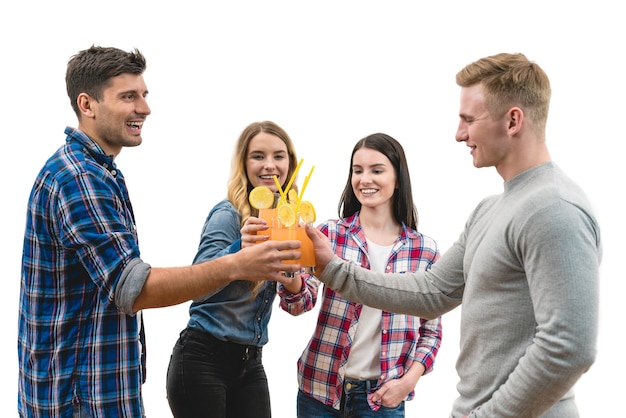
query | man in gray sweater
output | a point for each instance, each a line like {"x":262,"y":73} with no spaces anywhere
{"x":525,"y":267}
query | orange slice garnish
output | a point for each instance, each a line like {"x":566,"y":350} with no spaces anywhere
{"x":286,"y":215}
{"x":307,"y":211}
{"x":261,"y":197}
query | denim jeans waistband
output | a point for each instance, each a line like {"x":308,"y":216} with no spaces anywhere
{"x":247,"y":351}
{"x":359,"y":386}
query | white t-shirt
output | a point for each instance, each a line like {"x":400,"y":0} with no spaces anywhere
{"x":364,"y":359}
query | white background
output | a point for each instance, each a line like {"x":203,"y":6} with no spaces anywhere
{"x":330,"y":73}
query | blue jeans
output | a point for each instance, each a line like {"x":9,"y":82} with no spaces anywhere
{"x":210,"y":377}
{"x":353,"y":404}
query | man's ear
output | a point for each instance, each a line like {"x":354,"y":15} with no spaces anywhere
{"x":515,"y":118}
{"x":85,"y":103}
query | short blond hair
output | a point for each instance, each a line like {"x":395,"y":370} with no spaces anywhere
{"x":510,"y":80}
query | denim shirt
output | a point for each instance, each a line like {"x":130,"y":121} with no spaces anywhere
{"x":230,"y":313}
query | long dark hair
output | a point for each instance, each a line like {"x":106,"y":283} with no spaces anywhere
{"x":404,"y":210}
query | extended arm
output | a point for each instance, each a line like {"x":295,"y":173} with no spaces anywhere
{"x":174,"y":285}
{"x":428,"y":295}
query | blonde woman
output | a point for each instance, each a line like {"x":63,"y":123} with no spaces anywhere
{"x":216,"y":366}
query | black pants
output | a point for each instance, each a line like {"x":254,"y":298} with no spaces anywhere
{"x":208,"y":377}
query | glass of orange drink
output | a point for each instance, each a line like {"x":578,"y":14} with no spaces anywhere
{"x":265,"y":201}
{"x":306,"y":215}
{"x":286,"y":215}
{"x":289,"y":224}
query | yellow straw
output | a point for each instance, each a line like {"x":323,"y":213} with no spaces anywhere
{"x":280,"y":190}
{"x":306,"y":181}
{"x":293,"y":176}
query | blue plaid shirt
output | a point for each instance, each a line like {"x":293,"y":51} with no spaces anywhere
{"x":74,"y":345}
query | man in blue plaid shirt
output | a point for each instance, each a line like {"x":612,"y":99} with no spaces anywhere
{"x":83,"y":285}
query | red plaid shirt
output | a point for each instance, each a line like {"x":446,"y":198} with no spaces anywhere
{"x":405,"y":338}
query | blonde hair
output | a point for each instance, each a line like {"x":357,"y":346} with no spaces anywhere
{"x":239,"y":185}
{"x":510,"y":80}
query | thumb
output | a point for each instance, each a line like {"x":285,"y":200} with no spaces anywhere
{"x":321,"y":245}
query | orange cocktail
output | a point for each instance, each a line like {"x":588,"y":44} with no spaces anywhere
{"x":263,"y":199}
{"x":287,"y":216}
{"x":306,"y":214}
{"x":280,"y":232}
{"x":268,"y":214}
{"x":308,"y":255}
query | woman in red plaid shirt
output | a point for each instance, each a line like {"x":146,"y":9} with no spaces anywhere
{"x":362,"y":361}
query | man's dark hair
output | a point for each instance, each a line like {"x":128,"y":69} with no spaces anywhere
{"x":91,"y":70}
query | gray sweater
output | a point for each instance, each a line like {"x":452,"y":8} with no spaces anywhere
{"x":527,"y":269}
